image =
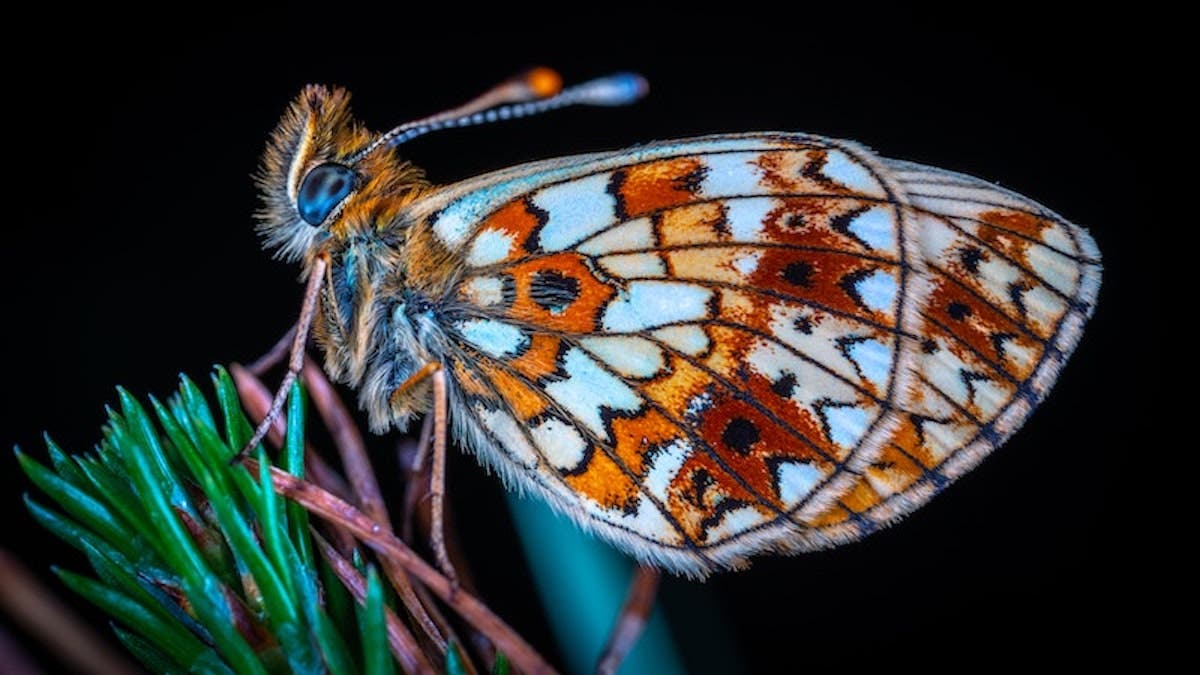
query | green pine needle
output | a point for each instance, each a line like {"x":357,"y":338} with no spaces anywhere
{"x":202,"y":567}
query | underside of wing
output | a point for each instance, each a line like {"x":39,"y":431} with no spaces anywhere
{"x":1011,"y":286}
{"x":705,"y":349}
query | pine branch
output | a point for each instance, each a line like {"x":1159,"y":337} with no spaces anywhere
{"x":202,"y":566}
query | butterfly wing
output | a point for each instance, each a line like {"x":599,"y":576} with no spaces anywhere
{"x":708,"y":348}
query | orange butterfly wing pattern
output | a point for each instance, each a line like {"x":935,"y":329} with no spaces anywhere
{"x":705,"y":349}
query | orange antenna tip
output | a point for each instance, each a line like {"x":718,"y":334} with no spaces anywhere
{"x":544,"y":82}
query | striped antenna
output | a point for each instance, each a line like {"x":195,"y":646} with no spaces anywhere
{"x":532,"y":93}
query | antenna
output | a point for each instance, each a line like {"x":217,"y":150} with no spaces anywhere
{"x":531,"y":93}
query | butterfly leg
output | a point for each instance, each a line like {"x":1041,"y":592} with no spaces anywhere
{"x":308,"y":310}
{"x":437,"y":482}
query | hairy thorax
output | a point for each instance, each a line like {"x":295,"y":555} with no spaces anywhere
{"x":375,"y":330}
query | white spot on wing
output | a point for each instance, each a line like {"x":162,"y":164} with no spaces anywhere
{"x":647,"y":521}
{"x":484,"y":291}
{"x":847,"y":424}
{"x":874,"y":359}
{"x":587,"y":388}
{"x":489,"y":247}
{"x":878,"y":290}
{"x":561,"y":444}
{"x":646,"y":304}
{"x":667,"y":462}
{"x":505,"y":429}
{"x":627,"y":354}
{"x":746,"y":264}
{"x":731,"y":175}
{"x":796,"y":480}
{"x":736,"y":521}
{"x":493,"y":337}
{"x":1058,"y":270}
{"x":746,"y":217}
{"x":876,"y":227}
{"x":455,"y":222}
{"x":575,"y":211}
{"x":688,"y":339}
{"x":773,"y":361}
{"x":841,"y":168}
{"x":634,"y":265}
{"x":635,"y":235}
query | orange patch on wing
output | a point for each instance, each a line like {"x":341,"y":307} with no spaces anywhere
{"x":637,"y":436}
{"x":979,"y":325}
{"x":525,"y":401}
{"x":729,"y":353}
{"x":1001,"y":236}
{"x":744,"y":438}
{"x":709,"y":264}
{"x":894,"y":470}
{"x":580,"y":315}
{"x":515,"y":219}
{"x":675,"y":390}
{"x":861,"y":497}
{"x":811,"y":222}
{"x":906,"y":437}
{"x":697,"y":489}
{"x":813,"y":276}
{"x":645,"y":188}
{"x":540,"y":359}
{"x":604,"y":482}
{"x":836,"y":514}
{"x":469,"y":383}
{"x":692,"y":224}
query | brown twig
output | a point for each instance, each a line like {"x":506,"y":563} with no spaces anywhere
{"x":632,"y":620}
{"x":417,"y":511}
{"x":350,"y":446}
{"x":43,"y":615}
{"x":256,"y":398}
{"x":329,"y":507}
{"x":402,"y":642}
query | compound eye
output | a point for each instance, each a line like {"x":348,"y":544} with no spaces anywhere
{"x":322,"y":190}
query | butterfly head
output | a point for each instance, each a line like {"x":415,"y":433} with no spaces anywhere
{"x":318,"y":186}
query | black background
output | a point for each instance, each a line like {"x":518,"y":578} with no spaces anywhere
{"x":129,"y":256}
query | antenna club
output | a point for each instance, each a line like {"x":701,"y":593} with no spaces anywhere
{"x":619,"y":89}
{"x":543,"y":82}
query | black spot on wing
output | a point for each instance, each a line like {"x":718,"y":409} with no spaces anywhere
{"x":740,"y":435}
{"x":701,"y":481}
{"x":958,"y":311}
{"x":553,"y":291}
{"x":785,"y":386}
{"x":798,"y":274}
{"x":970,"y":257}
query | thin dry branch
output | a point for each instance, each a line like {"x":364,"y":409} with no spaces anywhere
{"x":632,"y":620}
{"x":399,"y":638}
{"x":256,"y":399}
{"x":320,"y":502}
{"x":350,"y":446}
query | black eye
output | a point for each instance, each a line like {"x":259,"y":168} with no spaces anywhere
{"x":322,"y":190}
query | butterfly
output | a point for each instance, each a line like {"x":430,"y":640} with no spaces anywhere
{"x":699,"y":350}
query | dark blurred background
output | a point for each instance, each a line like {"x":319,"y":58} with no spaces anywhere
{"x":129,"y":257}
